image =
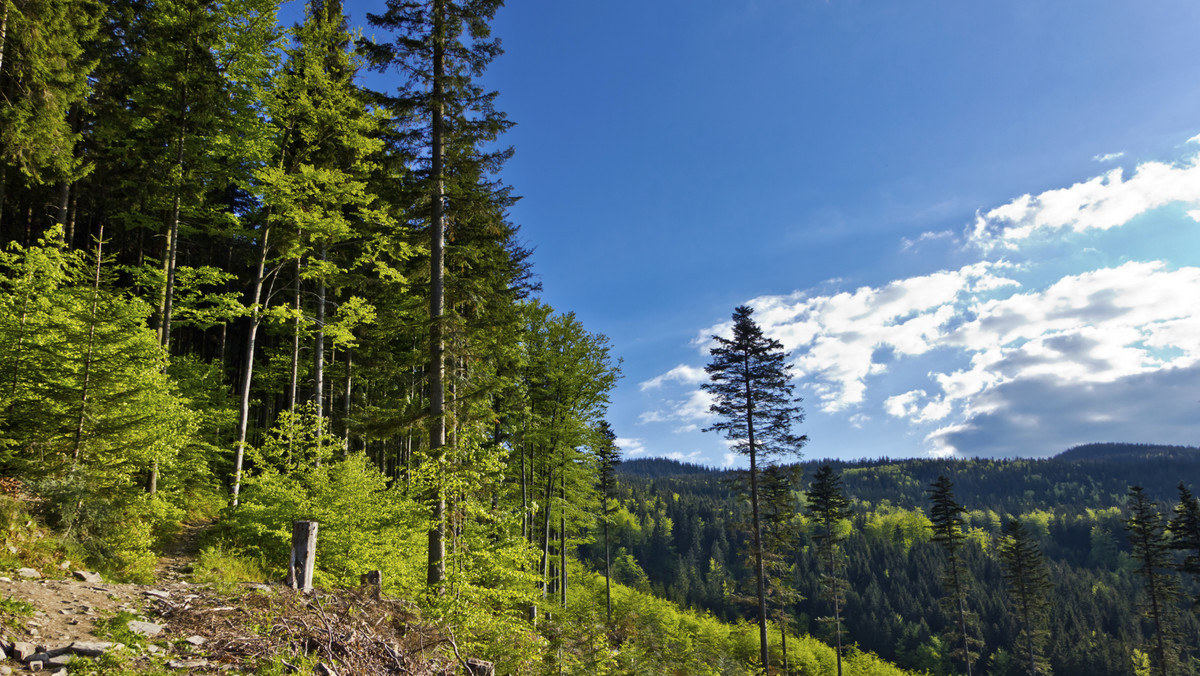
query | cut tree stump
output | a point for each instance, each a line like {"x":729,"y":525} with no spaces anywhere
{"x":304,"y":555}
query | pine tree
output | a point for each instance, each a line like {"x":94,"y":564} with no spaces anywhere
{"x":946,"y":516}
{"x":828,"y":507}
{"x":1152,"y":549}
{"x":1185,"y":535}
{"x":1028,"y":581}
{"x":750,"y":383}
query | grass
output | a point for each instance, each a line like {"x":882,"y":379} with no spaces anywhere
{"x":226,"y":568}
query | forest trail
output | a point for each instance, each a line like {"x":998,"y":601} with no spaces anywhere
{"x":179,"y":557}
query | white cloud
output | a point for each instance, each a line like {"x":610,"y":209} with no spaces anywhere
{"x":631,"y":447}
{"x":694,"y":456}
{"x":1108,"y":157}
{"x":1194,"y":139}
{"x":1100,"y":203}
{"x":907,"y":244}
{"x":680,"y":374}
{"x":653,"y":416}
{"x":684,"y":429}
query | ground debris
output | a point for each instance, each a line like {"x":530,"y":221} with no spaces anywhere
{"x":347,"y":632}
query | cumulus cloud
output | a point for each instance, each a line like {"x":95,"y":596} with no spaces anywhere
{"x":680,"y":374}
{"x":1010,"y":362}
{"x":1108,"y":157}
{"x":1100,"y":203}
{"x":1038,"y":417}
{"x":631,"y":447}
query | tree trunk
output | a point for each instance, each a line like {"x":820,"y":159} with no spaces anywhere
{"x":607,"y":560}
{"x":87,"y":359}
{"x":760,"y":572}
{"x":837,"y":607}
{"x":293,"y":384}
{"x":346,"y":406}
{"x":437,"y":369}
{"x":173,"y":229}
{"x":319,"y":357}
{"x":562,"y":535}
{"x":255,"y":318}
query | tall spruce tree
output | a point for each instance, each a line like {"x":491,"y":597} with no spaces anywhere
{"x":1152,"y":549}
{"x":946,"y":516}
{"x":443,"y":46}
{"x":828,"y":507}
{"x":608,"y":456}
{"x":1185,"y":535}
{"x":1028,"y":581}
{"x":750,"y":384}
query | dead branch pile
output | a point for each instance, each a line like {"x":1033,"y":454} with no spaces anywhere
{"x":348,"y":632}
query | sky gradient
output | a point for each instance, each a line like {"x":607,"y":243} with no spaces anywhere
{"x":976,"y":225}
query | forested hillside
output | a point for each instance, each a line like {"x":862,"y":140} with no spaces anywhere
{"x":238,"y":285}
{"x":682,"y":534}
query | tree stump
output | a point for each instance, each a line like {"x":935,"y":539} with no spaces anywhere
{"x":373,"y":579}
{"x":481,"y":668}
{"x":304,"y":555}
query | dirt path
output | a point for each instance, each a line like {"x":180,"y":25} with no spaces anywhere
{"x":179,"y":557}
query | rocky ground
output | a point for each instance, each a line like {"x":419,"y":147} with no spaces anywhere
{"x":175,"y":626}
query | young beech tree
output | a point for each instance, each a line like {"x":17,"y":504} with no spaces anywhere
{"x":1151,"y":548}
{"x":947,"y":518}
{"x":1028,"y":581}
{"x":750,"y":383}
{"x":828,"y":507}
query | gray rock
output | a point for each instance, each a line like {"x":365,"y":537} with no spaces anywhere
{"x":5,"y":670}
{"x":60,"y":660}
{"x":35,"y":665}
{"x":186,"y":664}
{"x":90,"y":648}
{"x":196,"y":640}
{"x":157,"y":593}
{"x":28,"y":573}
{"x":22,"y":650}
{"x":145,"y":628}
{"x":87,"y":576}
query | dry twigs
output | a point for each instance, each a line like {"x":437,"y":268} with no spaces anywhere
{"x":349,"y":632}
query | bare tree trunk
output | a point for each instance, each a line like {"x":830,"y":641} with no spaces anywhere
{"x":437,"y":369}
{"x":293,"y":384}
{"x":346,"y":406}
{"x":759,"y":570}
{"x":319,"y":356}
{"x":562,"y":536}
{"x":256,"y":313}
{"x":87,"y":359}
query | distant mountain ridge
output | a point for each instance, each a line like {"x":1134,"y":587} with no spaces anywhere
{"x":1124,"y":452}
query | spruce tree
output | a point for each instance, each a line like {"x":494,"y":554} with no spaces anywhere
{"x":1028,"y":582}
{"x":750,"y":384}
{"x":608,"y":456}
{"x":946,"y":516}
{"x":1152,"y":549}
{"x":443,"y":46}
{"x":828,"y":507}
{"x":1185,"y":535}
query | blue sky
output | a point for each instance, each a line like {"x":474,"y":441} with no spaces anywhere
{"x":977,"y":225}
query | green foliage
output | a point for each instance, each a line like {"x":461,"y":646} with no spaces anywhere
{"x":225,"y":567}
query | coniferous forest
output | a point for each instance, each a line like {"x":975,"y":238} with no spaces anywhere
{"x":240,"y":287}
